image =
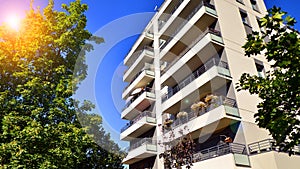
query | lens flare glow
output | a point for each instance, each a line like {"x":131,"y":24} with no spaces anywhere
{"x":13,"y":21}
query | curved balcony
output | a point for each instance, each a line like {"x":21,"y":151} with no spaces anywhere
{"x":217,"y":115}
{"x":138,"y":103}
{"x":185,"y":10}
{"x":139,"y":59}
{"x":141,"y":79}
{"x":145,"y":39}
{"x":239,"y":152}
{"x":229,"y":108}
{"x":141,"y":149}
{"x":208,"y":8}
{"x":213,"y":34}
{"x":169,"y":12}
{"x":214,"y":62}
{"x":139,"y":125}
{"x":269,"y":145}
{"x":219,"y":150}
{"x":179,"y":42}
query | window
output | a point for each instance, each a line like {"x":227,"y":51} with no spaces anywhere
{"x":244,"y":17}
{"x":254,"y":5}
{"x":245,"y":20}
{"x":260,"y":68}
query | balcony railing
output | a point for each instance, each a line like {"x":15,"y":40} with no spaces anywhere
{"x":139,"y":142}
{"x":138,"y":118}
{"x":148,"y":67}
{"x":221,"y":100}
{"x":185,"y":22}
{"x":147,"y":89}
{"x":161,"y":25}
{"x":188,"y":48}
{"x":220,"y":150}
{"x":268,"y":145}
{"x":149,"y":34}
{"x":202,"y":69}
{"x":136,"y":55}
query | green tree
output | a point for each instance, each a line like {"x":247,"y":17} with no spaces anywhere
{"x":278,"y":111}
{"x":38,"y":123}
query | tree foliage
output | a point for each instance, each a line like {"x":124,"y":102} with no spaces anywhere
{"x":177,"y":152}
{"x":38,"y":123}
{"x":278,"y":111}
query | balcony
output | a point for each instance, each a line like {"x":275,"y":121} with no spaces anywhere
{"x":141,"y":79}
{"x":139,"y":125}
{"x":208,"y":8}
{"x":139,"y":59}
{"x":268,"y":145}
{"x":217,"y":118}
{"x":141,"y":149}
{"x":186,"y":11}
{"x":171,"y":9}
{"x":222,"y":69}
{"x":138,"y":103}
{"x":239,"y":152}
{"x":199,"y":46}
{"x":178,"y":40}
{"x":145,"y":39}
{"x":226,"y":105}
{"x":149,"y":35}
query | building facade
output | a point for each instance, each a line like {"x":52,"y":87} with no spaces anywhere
{"x":182,"y":74}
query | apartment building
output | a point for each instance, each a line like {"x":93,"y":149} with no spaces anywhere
{"x":182,"y":73}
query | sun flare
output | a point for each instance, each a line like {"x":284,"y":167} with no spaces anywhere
{"x":13,"y":21}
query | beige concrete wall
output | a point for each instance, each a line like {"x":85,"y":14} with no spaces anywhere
{"x":253,"y":133}
{"x":234,"y":36}
{"x":274,"y":160}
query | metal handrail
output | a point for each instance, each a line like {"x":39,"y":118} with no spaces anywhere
{"x":147,"y":67}
{"x":220,"y":150}
{"x":185,"y":21}
{"x":137,"y":54}
{"x":266,"y":146}
{"x":146,"y":89}
{"x":188,"y":48}
{"x":139,"y":142}
{"x":198,"y":72}
{"x":138,"y":118}
{"x":169,"y":15}
{"x":221,"y":100}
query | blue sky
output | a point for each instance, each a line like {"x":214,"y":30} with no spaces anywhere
{"x":118,"y":22}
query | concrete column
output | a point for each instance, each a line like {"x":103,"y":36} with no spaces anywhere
{"x":157,"y":84}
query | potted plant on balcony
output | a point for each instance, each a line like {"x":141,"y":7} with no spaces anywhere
{"x":211,"y":101}
{"x":167,"y":123}
{"x":181,"y":115}
{"x":210,"y":98}
{"x":198,"y":107}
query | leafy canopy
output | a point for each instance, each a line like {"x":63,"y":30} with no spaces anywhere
{"x":278,"y":111}
{"x":38,"y":123}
